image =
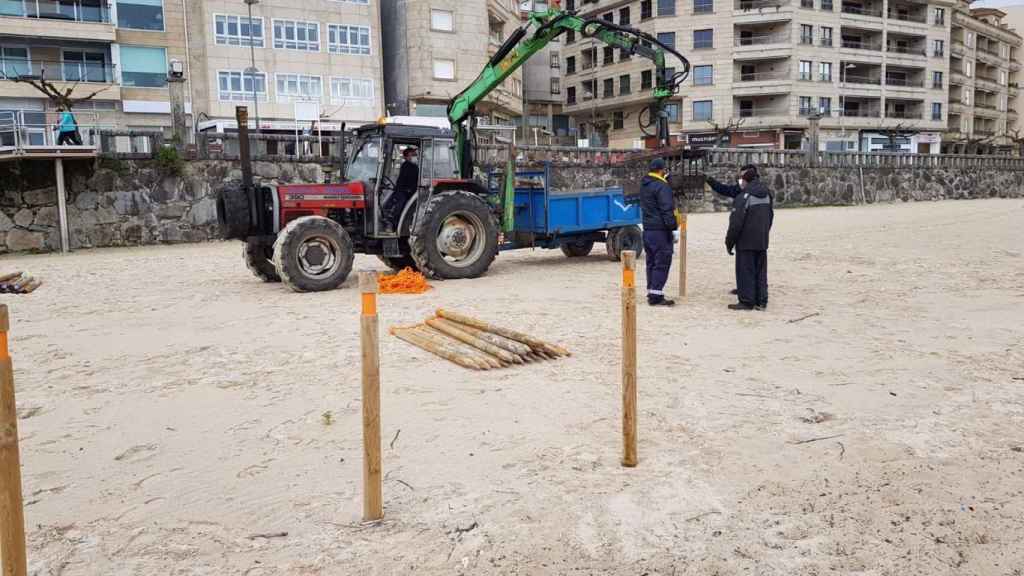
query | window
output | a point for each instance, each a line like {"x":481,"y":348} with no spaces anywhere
{"x":937,"y":80}
{"x":807,"y":4}
{"x":298,"y":87}
{"x":704,"y":38}
{"x":608,"y":17}
{"x":938,"y":48}
{"x":556,"y":86}
{"x":624,"y":85}
{"x":825,"y":71}
{"x":348,"y":39}
{"x":570,"y":65}
{"x":806,"y":34}
{"x":826,"y":36}
{"x":646,"y":80}
{"x":702,"y":110}
{"x":570,"y":94}
{"x":970,"y":39}
{"x":672,"y":110}
{"x":806,"y":106}
{"x":570,"y":5}
{"x":79,"y":66}
{"x":143,"y":67}
{"x":570,"y":36}
{"x":444,"y":69}
{"x":609,"y":88}
{"x":703,"y":75}
{"x":703,"y":6}
{"x":556,"y":61}
{"x":237,"y":86}
{"x":14,"y":61}
{"x":666,"y":7}
{"x":624,"y":16}
{"x":442,"y":20}
{"x":1002,"y":77}
{"x":624,"y":55}
{"x":618,"y":120}
{"x":825,"y":106}
{"x":645,"y":10}
{"x":805,"y":69}
{"x":496,"y":32}
{"x":667,"y":38}
{"x":344,"y":90}
{"x":826,"y":5}
{"x":296,"y":35}
{"x":966,"y":99}
{"x":238,"y":30}
{"x":589,"y":89}
{"x":936,"y":111}
{"x":967,"y":68}
{"x":939,"y":16}
{"x":140,"y":14}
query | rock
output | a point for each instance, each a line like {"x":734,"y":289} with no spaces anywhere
{"x":10,"y":198}
{"x":24,"y":218}
{"x":268,"y":170}
{"x":133,"y":233}
{"x":19,"y":240}
{"x":127,"y":203}
{"x":203,"y":212}
{"x":106,"y":216}
{"x":5,"y":223}
{"x":41,"y":197}
{"x":170,"y":232}
{"x":47,"y":217}
{"x":166,"y":191}
{"x":87,"y":201}
{"x":234,"y":175}
{"x":171,"y":211}
{"x":103,"y":181}
{"x":87,"y":218}
{"x":311,"y":173}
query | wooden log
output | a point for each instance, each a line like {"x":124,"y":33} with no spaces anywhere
{"x":418,"y":340}
{"x":629,"y":397}
{"x":12,"y":510}
{"x":373,"y":483}
{"x":467,"y":338}
{"x":32,"y":287}
{"x":8,"y":277}
{"x":512,"y":334}
{"x":18,"y":286}
{"x":517,"y":348}
{"x":488,"y":362}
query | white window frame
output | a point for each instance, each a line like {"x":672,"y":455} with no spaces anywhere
{"x":296,"y":23}
{"x":243,"y":41}
{"x":433,"y":69}
{"x":349,"y":49}
{"x":285,"y":97}
{"x":357,"y":99}
{"x":451,"y":16}
{"x":822,"y":66}
{"x":245,"y":96}
{"x":28,"y":52}
{"x":113,"y":17}
{"x":83,"y":51}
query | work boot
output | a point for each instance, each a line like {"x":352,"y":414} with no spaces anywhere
{"x":740,"y":306}
{"x":761,"y":307}
{"x":734,"y":292}
{"x":660,"y":301}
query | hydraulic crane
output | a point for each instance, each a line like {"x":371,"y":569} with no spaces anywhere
{"x":539,"y":30}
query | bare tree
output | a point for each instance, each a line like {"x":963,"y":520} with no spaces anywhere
{"x":722,"y":133}
{"x":1017,"y":138}
{"x":972,"y":145}
{"x":59,"y":97}
{"x":894,"y":133}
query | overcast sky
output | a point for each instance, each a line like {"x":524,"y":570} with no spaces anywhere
{"x":996,"y":3}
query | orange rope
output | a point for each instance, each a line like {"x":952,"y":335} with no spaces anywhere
{"x":408,"y":281}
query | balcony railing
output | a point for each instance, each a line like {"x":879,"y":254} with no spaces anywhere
{"x":762,"y":76}
{"x":858,"y":11}
{"x":862,"y":80}
{"x":761,"y":39}
{"x":760,"y":112}
{"x":984,"y":106}
{"x":903,"y":114}
{"x":95,"y":13}
{"x":857,"y":45}
{"x":957,"y":48}
{"x":80,"y":72}
{"x":919,"y":18}
{"x":904,"y":82}
{"x":907,"y":50}
{"x":761,"y":5}
{"x":861,"y":113}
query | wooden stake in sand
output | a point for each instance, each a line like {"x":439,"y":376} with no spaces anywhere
{"x":462,"y":336}
{"x":536,"y":344}
{"x":629,"y":456}
{"x":12,"y":511}
{"x":681,"y":219}
{"x":373,"y":499}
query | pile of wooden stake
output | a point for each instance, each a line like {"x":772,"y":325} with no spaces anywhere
{"x":18,"y":283}
{"x":475,"y":344}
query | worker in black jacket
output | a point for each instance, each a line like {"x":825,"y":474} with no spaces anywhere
{"x":659,"y":222}
{"x":405,"y":188}
{"x":750,"y":223}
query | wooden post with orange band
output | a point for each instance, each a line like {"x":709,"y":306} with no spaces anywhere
{"x":681,"y":220}
{"x":12,"y":511}
{"x":629,"y":427}
{"x":373,"y":499}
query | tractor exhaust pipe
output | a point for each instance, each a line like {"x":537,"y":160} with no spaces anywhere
{"x":242,"y":119}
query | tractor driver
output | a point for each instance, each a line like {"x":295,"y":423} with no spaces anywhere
{"x":405,"y":188}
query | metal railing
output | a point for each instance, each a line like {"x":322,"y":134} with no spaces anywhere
{"x":826,"y":160}
{"x":861,"y":80}
{"x":904,"y":114}
{"x":761,"y":39}
{"x":855,"y":45}
{"x":858,"y":11}
{"x":762,"y":76}
{"x":760,"y":4}
{"x":906,"y":50}
{"x":64,"y":71}
{"x":24,"y":129}
{"x":904,"y":82}
{"x":760,"y":112}
{"x":860,"y":113}
{"x":96,"y":14}
{"x":918,"y":18}
{"x":270,"y":147}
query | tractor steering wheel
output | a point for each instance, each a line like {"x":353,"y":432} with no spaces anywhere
{"x":386,"y":183}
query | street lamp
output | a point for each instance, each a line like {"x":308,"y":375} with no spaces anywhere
{"x":251,"y":71}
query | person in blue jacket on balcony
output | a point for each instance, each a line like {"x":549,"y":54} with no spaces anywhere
{"x":67,"y":129}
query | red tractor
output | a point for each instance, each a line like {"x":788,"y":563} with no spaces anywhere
{"x":306,"y":235}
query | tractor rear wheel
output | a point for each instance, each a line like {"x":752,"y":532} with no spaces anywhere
{"x":622,"y":239}
{"x":577,"y":248}
{"x":259,"y":259}
{"x":456,"y":238}
{"x":398,"y":263}
{"x":233,"y":215}
{"x":313,"y":254}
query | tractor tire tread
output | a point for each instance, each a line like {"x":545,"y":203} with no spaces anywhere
{"x":287,"y":268}
{"x":257,"y":262}
{"x":420,"y":239}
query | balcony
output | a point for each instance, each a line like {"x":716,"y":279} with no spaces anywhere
{"x":758,"y":10}
{"x":83,"y":78}
{"x":919,"y":18}
{"x":760,"y":111}
{"x":906,"y":50}
{"x":757,"y":83}
{"x":86,"y":20}
{"x":956,"y":48}
{"x":866,"y":11}
{"x":988,"y":84}
{"x":990,"y":58}
{"x":857,"y":113}
{"x":904,"y":114}
{"x":760,"y":40}
{"x":904,"y":82}
{"x":868,"y":45}
{"x":1014,"y":65}
{"x":862,"y":80}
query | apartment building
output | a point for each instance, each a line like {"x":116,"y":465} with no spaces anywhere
{"x":297,"y":67}
{"x":761,"y":69}
{"x":984,"y":81}
{"x":542,"y":91}
{"x":435,"y":49}
{"x":118,"y":48}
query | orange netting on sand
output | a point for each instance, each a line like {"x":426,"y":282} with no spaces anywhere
{"x":408,"y":281}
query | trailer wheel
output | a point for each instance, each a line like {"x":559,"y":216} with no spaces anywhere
{"x":577,"y":248}
{"x":398,"y":264}
{"x":259,"y":259}
{"x":313,"y":254}
{"x":622,"y":239}
{"x":456,"y":238}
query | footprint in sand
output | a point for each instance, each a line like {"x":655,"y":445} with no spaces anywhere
{"x":137,"y":453}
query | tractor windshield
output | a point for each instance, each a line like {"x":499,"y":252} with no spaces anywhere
{"x":365,"y":161}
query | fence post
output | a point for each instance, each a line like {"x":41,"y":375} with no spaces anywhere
{"x":681,"y":220}
{"x":373,"y":500}
{"x":629,"y":425}
{"x":12,"y":511}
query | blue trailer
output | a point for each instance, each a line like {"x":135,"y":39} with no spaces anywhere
{"x":571,"y":220}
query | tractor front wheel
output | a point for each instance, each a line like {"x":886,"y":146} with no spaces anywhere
{"x":313,"y":254}
{"x":457,"y":236}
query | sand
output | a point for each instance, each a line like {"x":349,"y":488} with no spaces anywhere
{"x":173,"y":409}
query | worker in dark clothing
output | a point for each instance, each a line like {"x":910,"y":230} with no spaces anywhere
{"x":750,"y":223}
{"x":405,"y":188}
{"x":659,"y":218}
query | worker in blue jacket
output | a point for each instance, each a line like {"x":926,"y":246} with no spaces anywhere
{"x":67,"y":129}
{"x":750,"y":224}
{"x":659,"y":219}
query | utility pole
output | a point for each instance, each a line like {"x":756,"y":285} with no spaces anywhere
{"x":176,"y":94}
{"x":252,"y":66}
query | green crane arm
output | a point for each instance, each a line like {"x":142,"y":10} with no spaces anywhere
{"x":545,"y":27}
